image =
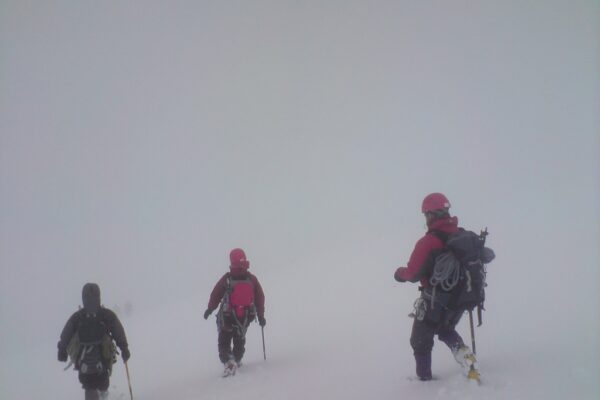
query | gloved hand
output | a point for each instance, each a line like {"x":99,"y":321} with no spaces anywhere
{"x":262,"y":321}
{"x":62,"y":355}
{"x":399,"y":274}
{"x":125,"y":354}
{"x":207,"y":313}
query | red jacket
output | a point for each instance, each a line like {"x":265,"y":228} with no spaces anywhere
{"x":221,"y":287}
{"x":423,"y":251}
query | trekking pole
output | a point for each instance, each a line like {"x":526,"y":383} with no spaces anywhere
{"x":129,"y":381}
{"x":472,"y":331}
{"x":263,"y":340}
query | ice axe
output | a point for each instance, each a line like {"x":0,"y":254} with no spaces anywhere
{"x":472,"y":331}
{"x":262,"y":328}
{"x":129,"y":381}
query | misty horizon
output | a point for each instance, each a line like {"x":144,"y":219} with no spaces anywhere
{"x":141,"y":142}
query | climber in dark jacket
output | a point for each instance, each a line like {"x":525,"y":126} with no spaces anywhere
{"x":91,"y":326}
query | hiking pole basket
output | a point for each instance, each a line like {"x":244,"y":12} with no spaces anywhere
{"x":472,"y":331}
{"x":262,"y":328}
{"x":129,"y":381}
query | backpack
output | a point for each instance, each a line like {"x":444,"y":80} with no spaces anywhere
{"x":238,"y":300}
{"x":92,"y":349}
{"x":459,"y":270}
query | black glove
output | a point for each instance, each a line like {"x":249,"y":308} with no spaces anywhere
{"x":398,"y":274}
{"x":125,"y":354}
{"x":207,"y":313}
{"x":62,"y":355}
{"x":262,"y":321}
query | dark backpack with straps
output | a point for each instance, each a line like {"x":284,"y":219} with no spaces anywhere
{"x":92,"y":349}
{"x":459,"y":269}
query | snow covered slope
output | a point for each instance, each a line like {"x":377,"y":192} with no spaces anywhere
{"x":140,"y":141}
{"x":336,"y":334}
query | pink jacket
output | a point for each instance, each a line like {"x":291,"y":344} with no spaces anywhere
{"x":423,"y":250}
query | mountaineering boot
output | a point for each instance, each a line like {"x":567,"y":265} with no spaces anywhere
{"x":92,"y":394}
{"x":104,"y":395}
{"x":465,"y":357}
{"x":474,"y":375}
{"x":423,"y":362}
{"x":230,"y":368}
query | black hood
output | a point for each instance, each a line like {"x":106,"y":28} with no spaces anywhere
{"x":91,"y":297}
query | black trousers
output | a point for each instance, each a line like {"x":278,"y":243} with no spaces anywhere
{"x":95,"y":381}
{"x":423,"y":332}
{"x":227,"y":337}
{"x":232,"y":331}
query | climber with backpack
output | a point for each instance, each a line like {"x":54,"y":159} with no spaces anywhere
{"x":88,"y":339}
{"x":240,"y":299}
{"x":450,"y":263}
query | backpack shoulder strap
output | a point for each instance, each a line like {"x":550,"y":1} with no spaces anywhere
{"x":77,"y":315}
{"x":231,"y":280}
{"x":443,"y":236}
{"x":228,"y":289}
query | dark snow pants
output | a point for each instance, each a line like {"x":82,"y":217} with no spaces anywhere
{"x":421,"y":340}
{"x":231,"y":330}
{"x":226,"y":337}
{"x":423,"y":332}
{"x":93,"y":394}
{"x":95,"y":381}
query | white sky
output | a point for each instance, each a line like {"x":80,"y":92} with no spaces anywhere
{"x":141,"y":141}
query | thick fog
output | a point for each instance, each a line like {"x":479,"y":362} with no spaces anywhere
{"x":141,"y":141}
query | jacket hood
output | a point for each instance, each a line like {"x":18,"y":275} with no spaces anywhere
{"x":237,"y":259}
{"x":447,"y":224}
{"x":90,"y":296}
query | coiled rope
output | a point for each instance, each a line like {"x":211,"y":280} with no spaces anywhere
{"x":445,"y":274}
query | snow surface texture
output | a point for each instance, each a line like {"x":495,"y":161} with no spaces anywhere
{"x":327,"y":347}
{"x":140,"y":142}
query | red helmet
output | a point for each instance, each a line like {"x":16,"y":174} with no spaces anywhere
{"x":237,"y":257}
{"x":435,"y":201}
